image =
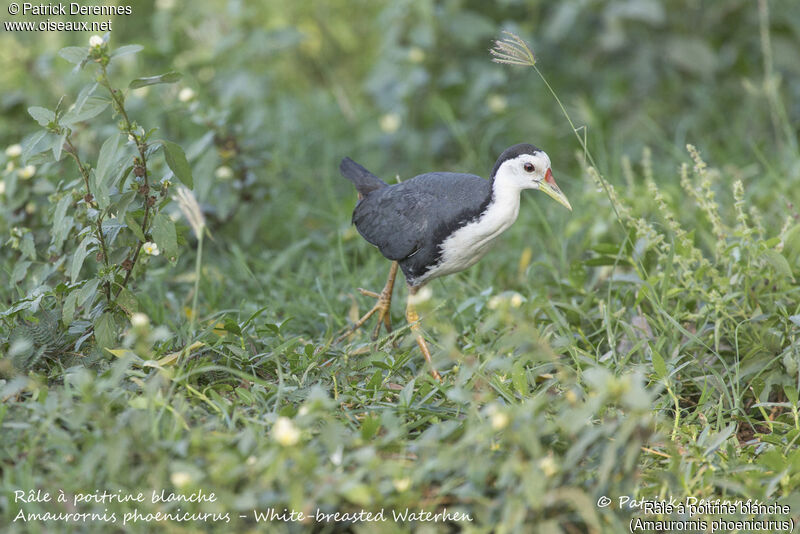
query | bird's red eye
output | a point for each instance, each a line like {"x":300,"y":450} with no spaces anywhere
{"x":528,"y":167}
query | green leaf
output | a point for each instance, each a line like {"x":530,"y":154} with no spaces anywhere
{"x":61,"y":210}
{"x":61,"y":227}
{"x":659,"y":366}
{"x":87,"y":293}
{"x":42,"y":115}
{"x":58,"y":145}
{"x":122,"y":203}
{"x":68,"y":311}
{"x":134,"y":227}
{"x":370,"y":426}
{"x":85,"y":93}
{"x":791,"y":240}
{"x":20,"y":270}
{"x":609,"y":249}
{"x":80,"y":254}
{"x":126,"y":50}
{"x":88,"y":109}
{"x":24,"y":304}
{"x":98,"y":189}
{"x":719,"y":439}
{"x":105,"y":331}
{"x":169,"y":77}
{"x":778,"y":262}
{"x":245,"y":396}
{"x":107,"y":158}
{"x":164,"y":235}
{"x":127,"y":301}
{"x":791,"y":393}
{"x":74,"y":54}
{"x":232,"y":326}
{"x":176,"y":159}
{"x":27,"y":246}
{"x":407,"y":394}
{"x":519,"y":379}
{"x":33,"y":145}
{"x":104,"y":176}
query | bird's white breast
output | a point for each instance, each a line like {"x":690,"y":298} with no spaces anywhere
{"x":472,"y":241}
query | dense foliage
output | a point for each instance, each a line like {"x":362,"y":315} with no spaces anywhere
{"x":177,"y":260}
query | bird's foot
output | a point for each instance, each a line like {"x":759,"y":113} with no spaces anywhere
{"x":382,"y":307}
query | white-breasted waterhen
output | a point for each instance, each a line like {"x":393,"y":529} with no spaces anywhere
{"x":440,"y":223}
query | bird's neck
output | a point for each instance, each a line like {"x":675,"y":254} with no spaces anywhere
{"x":503,"y":206}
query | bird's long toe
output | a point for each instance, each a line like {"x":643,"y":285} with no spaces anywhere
{"x":384,"y":317}
{"x":368,"y":293}
{"x":382,"y":307}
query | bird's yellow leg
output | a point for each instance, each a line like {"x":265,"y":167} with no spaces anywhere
{"x":413,"y":320}
{"x":382,"y":307}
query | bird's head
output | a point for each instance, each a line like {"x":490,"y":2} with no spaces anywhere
{"x":526,"y":167}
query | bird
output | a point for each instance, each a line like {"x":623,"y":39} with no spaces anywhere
{"x":440,"y":223}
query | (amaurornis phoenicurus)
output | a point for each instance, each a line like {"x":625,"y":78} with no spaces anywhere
{"x":440,"y":223}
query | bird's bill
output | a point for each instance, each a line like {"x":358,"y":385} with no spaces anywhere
{"x":551,"y":189}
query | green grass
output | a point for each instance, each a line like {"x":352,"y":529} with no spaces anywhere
{"x":643,"y":346}
{"x":569,"y":396}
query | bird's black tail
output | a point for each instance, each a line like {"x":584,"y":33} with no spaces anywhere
{"x":364,"y":180}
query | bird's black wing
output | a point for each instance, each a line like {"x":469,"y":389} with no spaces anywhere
{"x":414,"y":216}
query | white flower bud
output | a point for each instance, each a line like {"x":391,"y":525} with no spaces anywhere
{"x":224,"y":173}
{"x":180,"y":479}
{"x":285,"y":433}
{"x":186,"y":94}
{"x":14,"y":151}
{"x":548,"y":466}
{"x":497,"y":103}
{"x":27,"y":171}
{"x":390,"y":123}
{"x":416,"y":54}
{"x":139,"y":320}
{"x":401,"y":484}
{"x":499,"y":420}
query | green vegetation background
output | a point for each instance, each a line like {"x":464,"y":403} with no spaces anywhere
{"x":650,"y":354}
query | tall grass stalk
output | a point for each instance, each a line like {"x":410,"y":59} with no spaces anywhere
{"x":191,"y":210}
{"x":513,"y":50}
{"x":197,"y":263}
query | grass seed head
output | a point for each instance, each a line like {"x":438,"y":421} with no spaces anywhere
{"x":512,"y":51}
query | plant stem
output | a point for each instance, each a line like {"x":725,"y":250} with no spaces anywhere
{"x":197,"y":263}
{"x":582,"y":142}
{"x":99,"y":222}
{"x":141,"y":146}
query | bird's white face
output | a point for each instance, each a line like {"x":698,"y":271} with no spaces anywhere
{"x":530,"y":171}
{"x":526,"y":171}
